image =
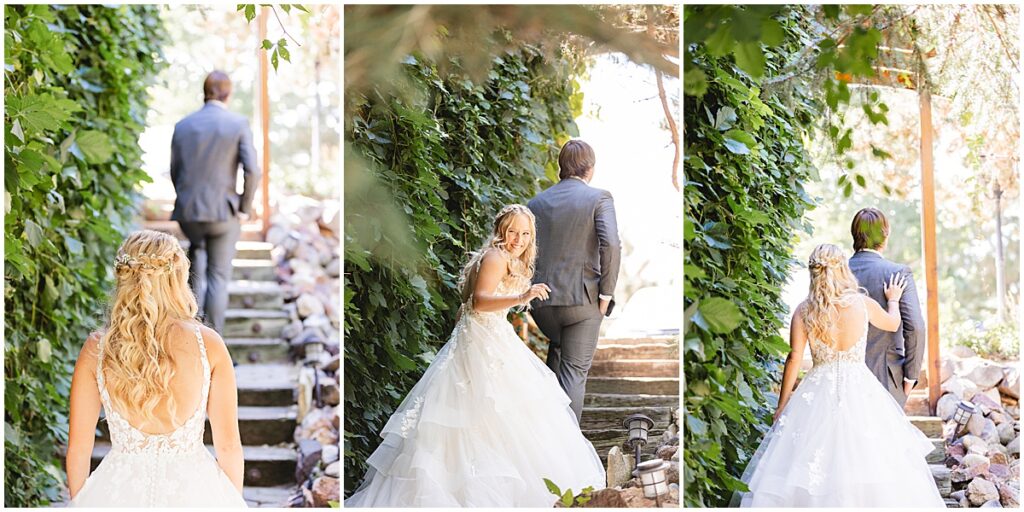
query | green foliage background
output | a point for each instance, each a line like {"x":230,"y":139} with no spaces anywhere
{"x":76,"y":79}
{"x":448,"y":152}
{"x":752,"y":103}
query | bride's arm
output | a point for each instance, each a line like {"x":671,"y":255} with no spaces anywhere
{"x":493,"y":268}
{"x":880,"y":318}
{"x":85,"y":413}
{"x":797,"y":342}
{"x":223,"y":408}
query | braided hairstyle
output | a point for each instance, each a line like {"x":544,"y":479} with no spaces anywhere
{"x":832,"y":285}
{"x":521,"y":268}
{"x":151,"y":294}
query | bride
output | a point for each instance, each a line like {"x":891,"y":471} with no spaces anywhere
{"x":156,"y":372}
{"x":843,"y":441}
{"x":488,"y":421}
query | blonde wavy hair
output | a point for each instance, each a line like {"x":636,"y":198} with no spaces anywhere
{"x":832,"y":285}
{"x":521,"y":268}
{"x":152,"y":293}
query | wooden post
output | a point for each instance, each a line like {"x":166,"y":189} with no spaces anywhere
{"x":928,"y":228}
{"x":265,"y":122}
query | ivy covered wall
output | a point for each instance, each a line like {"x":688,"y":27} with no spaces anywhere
{"x":76,"y":103}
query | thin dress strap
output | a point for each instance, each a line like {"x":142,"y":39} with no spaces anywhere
{"x":104,"y":397}
{"x":206,"y":368}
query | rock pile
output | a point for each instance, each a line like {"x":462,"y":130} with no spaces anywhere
{"x":624,"y":490}
{"x":985,"y":461}
{"x":305,"y":236}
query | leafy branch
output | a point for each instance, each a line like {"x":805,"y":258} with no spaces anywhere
{"x":279,"y":49}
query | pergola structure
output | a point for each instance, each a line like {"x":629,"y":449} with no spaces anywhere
{"x":264,"y":108}
{"x":898,"y":76}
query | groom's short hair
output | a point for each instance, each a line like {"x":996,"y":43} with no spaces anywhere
{"x":217,"y":86}
{"x":870,"y":229}
{"x":576,"y":159}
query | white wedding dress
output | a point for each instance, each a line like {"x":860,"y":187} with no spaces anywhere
{"x":163,"y":470}
{"x":483,"y":427}
{"x":841,"y":441}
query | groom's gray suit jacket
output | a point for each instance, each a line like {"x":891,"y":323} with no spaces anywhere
{"x":578,"y":255}
{"x":578,"y":247}
{"x":206,"y":150}
{"x":891,"y":356}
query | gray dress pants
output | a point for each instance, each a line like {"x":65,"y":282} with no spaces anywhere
{"x":573,"y":331}
{"x":210,"y":251}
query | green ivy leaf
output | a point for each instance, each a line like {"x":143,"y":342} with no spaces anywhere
{"x":552,"y":487}
{"x":95,"y":146}
{"x":567,"y":498}
{"x":695,"y":82}
{"x":750,"y":58}
{"x":721,"y":315}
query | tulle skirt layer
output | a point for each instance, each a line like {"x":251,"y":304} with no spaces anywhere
{"x":842,"y":441}
{"x":158,"y":480}
{"x":482,"y":428}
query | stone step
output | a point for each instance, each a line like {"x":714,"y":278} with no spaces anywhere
{"x":265,"y":466}
{"x":941,"y":474}
{"x":246,"y":249}
{"x":268,"y":497}
{"x":930,"y":425}
{"x":672,"y":340}
{"x":640,"y":351}
{"x":272,"y":384}
{"x":257,"y":350}
{"x":257,"y":425}
{"x":603,"y":418}
{"x":244,"y":294}
{"x":917,"y":404}
{"x":938,"y":454}
{"x":633,"y":385}
{"x":636,"y":368}
{"x":253,"y":250}
{"x":614,"y":400}
{"x":253,"y":270}
{"x":246,"y":323}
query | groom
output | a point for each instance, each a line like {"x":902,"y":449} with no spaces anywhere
{"x":206,"y":150}
{"x":578,"y":257}
{"x":894,"y":357}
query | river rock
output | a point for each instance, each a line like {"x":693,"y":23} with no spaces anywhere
{"x":999,"y":472}
{"x":946,"y":406}
{"x":973,"y":459}
{"x":980,"y":491}
{"x":986,"y":403}
{"x":1010,"y":385}
{"x":620,"y":467}
{"x":666,"y":452}
{"x":308,"y":305}
{"x":986,"y":375}
{"x":325,"y":490}
{"x":1009,"y":495}
{"x":963,"y":389}
{"x":962,"y":351}
{"x":606,"y":498}
{"x":1007,"y":431}
{"x":333,"y":469}
{"x":1013,"y":447}
{"x":974,"y":444}
{"x":991,"y":504}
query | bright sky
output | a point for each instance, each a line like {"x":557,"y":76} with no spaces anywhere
{"x":623,"y":120}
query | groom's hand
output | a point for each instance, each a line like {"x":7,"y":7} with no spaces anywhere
{"x":603,"y":304}
{"x":908,"y":387}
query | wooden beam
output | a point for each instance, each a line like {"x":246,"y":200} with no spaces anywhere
{"x":928,"y":228}
{"x":265,"y":122}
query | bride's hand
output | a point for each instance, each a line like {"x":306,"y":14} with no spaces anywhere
{"x":775,"y":417}
{"x":537,"y":291}
{"x":895,"y":287}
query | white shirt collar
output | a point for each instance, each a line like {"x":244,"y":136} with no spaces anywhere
{"x":870,"y":250}
{"x":218,"y":103}
{"x":578,"y":178}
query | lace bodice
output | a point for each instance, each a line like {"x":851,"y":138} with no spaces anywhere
{"x":823,"y":354}
{"x":188,"y":438}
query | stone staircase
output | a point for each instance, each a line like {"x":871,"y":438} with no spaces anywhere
{"x":931,"y":426}
{"x":267,"y":381}
{"x":628,"y":376}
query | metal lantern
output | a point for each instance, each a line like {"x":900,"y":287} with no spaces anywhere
{"x":962,"y":415}
{"x":314,"y":351}
{"x":637,"y":426}
{"x":653,"y":478}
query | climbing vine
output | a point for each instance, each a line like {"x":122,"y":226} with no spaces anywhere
{"x":760,"y":81}
{"x":75,"y":95}
{"x":449,"y":153}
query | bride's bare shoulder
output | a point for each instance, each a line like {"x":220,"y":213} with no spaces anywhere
{"x":216,"y":349}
